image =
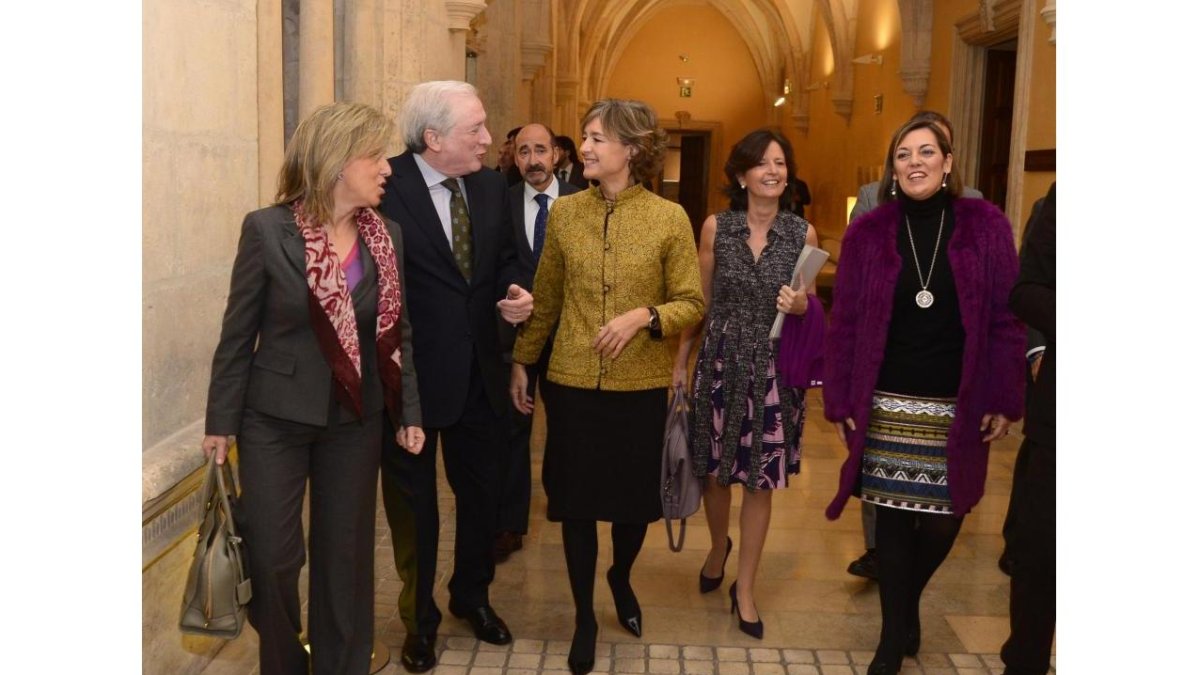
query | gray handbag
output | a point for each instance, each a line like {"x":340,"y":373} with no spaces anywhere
{"x":218,"y":584}
{"x":681,"y":489}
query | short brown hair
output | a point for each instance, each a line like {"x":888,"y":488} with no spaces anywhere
{"x":320,"y":148}
{"x":953,"y":181}
{"x":634,"y":124}
{"x":746,"y":155}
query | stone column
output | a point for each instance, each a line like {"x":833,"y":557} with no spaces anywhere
{"x":536,"y":47}
{"x":568,"y":105}
{"x":533,"y":56}
{"x":363,"y":36}
{"x":916,"y":44}
{"x":460,"y":13}
{"x":270,"y":96}
{"x":1050,"y":16}
{"x":316,"y":55}
{"x":541,"y":106}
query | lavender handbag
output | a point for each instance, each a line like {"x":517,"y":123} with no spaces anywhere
{"x":681,"y":488}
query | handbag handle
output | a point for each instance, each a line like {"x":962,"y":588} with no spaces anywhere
{"x":679,"y":399}
{"x":216,"y":486}
{"x":676,"y":546}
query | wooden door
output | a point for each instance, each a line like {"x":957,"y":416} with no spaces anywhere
{"x":996,"y":130}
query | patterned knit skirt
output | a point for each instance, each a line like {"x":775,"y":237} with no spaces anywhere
{"x":904,"y":464}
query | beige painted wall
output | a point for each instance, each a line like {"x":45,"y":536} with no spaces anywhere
{"x":199,"y":177}
{"x":1042,"y":117}
{"x":727,"y":88}
{"x":834,"y":150}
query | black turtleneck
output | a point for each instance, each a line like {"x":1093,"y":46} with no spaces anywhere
{"x":925,"y":346}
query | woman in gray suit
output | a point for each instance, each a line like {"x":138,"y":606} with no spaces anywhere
{"x":314,"y":350}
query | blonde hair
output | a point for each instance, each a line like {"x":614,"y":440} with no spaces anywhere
{"x":321,"y":146}
{"x":635,"y":125}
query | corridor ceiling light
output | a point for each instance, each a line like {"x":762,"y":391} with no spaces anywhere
{"x":865,"y":59}
{"x":780,"y":101}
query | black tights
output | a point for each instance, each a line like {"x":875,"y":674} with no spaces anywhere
{"x":579,"y":544}
{"x":910,"y":546}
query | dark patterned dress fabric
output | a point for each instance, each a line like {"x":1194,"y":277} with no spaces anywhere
{"x":753,"y":437}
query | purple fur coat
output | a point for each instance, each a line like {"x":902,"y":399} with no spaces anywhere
{"x":983,"y":260}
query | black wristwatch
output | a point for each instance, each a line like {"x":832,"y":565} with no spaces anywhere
{"x":655,"y":326}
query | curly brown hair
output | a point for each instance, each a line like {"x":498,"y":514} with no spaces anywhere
{"x":634,"y":124}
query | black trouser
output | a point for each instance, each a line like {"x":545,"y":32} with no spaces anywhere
{"x":515,"y":481}
{"x":580,"y":547}
{"x":276,"y":460}
{"x":1031,"y":551}
{"x":410,"y":498}
{"x":911,"y":546}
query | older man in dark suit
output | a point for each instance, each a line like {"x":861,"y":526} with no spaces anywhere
{"x":535,"y":156}
{"x":460,"y":265}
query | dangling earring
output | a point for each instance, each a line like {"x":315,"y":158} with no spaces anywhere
{"x":893,"y":190}
{"x":944,"y":177}
{"x":743,"y":185}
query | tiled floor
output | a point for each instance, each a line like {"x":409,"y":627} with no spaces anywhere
{"x":818,"y":618}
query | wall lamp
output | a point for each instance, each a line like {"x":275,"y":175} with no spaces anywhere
{"x":865,"y":59}
{"x":787,"y":89}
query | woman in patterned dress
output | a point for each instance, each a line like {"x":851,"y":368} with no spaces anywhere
{"x":752,"y":438}
{"x":924,"y":368}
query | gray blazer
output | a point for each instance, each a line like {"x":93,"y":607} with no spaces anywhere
{"x":268,"y":358}
{"x":868,"y":193}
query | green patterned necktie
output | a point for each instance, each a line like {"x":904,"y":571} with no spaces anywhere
{"x":460,"y":227}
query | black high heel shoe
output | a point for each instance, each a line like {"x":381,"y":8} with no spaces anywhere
{"x":710,"y":584}
{"x":755,"y":629}
{"x":583,"y":649}
{"x":629,"y":612}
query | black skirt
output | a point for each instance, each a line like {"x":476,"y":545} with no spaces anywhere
{"x":603,"y":456}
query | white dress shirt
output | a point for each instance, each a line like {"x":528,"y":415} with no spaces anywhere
{"x":531,"y":206}
{"x":441,"y":194}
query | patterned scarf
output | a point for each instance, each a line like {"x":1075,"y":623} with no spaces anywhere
{"x":332,"y":312}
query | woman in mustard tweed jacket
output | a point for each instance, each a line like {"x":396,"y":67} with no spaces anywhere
{"x":618,"y":273}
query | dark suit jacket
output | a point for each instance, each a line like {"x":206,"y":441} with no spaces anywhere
{"x":454,"y":322}
{"x":286,"y":375}
{"x":1032,"y":300}
{"x":517,"y":203}
{"x":576,"y":178}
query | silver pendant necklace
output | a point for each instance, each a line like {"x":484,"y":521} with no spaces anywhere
{"x":924,"y":297}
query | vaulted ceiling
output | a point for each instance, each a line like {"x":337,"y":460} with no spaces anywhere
{"x":778,"y":33}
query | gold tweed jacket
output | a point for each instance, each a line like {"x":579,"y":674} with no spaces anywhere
{"x":599,"y":262}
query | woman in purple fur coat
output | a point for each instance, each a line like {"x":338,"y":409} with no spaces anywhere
{"x":924,"y":368}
